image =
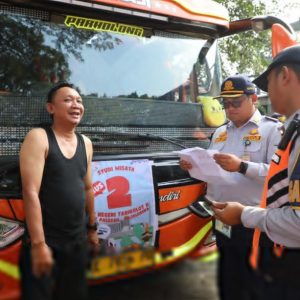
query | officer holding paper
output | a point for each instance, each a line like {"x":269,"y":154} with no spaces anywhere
{"x":246,"y":145}
{"x":278,"y":216}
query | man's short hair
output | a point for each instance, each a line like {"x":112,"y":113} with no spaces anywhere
{"x":56,"y":87}
{"x":294,"y":67}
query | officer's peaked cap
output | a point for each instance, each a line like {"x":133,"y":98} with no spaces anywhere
{"x":236,"y":86}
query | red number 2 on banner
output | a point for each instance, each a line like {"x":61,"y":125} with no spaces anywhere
{"x":119,"y":186}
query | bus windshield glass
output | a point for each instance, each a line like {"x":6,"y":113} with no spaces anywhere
{"x":128,"y":82}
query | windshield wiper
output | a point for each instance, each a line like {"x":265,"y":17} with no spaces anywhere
{"x":143,"y":136}
{"x":173,"y":141}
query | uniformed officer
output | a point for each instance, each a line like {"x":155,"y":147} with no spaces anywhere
{"x":246,"y":144}
{"x":279,"y":214}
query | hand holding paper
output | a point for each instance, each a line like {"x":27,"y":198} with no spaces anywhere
{"x":203,"y":164}
{"x":228,"y":162}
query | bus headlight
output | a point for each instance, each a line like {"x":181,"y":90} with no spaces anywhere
{"x":10,"y":231}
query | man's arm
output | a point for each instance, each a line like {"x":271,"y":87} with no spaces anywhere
{"x":255,"y":170}
{"x":90,"y":206}
{"x":32,"y":161}
{"x":282,"y":225}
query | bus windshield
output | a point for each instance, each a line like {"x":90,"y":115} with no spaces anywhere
{"x":132,"y":84}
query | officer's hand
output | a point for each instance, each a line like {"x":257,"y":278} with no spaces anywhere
{"x":41,"y":259}
{"x":94,"y":242}
{"x":228,"y":162}
{"x":185,"y":165}
{"x":228,"y":213}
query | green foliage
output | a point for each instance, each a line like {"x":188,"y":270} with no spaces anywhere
{"x":247,"y":52}
{"x":262,"y":109}
{"x":29,"y":62}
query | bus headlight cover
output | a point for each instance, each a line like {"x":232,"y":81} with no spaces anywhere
{"x":10,"y":231}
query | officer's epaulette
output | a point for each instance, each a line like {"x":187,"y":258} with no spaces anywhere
{"x":272,"y":119}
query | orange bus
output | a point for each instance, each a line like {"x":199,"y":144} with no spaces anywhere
{"x":147,"y":71}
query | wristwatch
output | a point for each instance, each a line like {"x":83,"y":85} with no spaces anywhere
{"x":243,"y":168}
{"x":91,"y":226}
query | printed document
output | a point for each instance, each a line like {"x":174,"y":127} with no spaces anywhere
{"x":204,"y":166}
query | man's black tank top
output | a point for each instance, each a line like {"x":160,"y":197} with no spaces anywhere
{"x":62,"y":193}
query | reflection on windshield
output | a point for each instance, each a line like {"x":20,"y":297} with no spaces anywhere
{"x":36,"y":54}
{"x":138,"y":67}
{"x":118,"y":76}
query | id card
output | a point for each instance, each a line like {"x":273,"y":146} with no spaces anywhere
{"x":223,"y":228}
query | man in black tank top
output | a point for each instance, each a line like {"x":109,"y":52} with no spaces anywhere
{"x":55,"y":166}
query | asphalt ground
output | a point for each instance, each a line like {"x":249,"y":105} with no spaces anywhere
{"x":186,"y":280}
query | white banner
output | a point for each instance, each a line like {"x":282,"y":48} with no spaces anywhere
{"x":124,"y":204}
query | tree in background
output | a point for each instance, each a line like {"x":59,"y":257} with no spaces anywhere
{"x":38,"y":57}
{"x":247,"y":52}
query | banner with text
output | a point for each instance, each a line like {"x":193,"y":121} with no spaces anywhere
{"x":124,"y":204}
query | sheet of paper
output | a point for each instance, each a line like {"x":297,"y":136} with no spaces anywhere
{"x":204,"y":166}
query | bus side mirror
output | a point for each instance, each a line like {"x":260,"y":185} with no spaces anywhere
{"x":283,"y":34}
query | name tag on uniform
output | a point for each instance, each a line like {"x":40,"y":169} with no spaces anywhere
{"x":223,"y":228}
{"x":253,"y":138}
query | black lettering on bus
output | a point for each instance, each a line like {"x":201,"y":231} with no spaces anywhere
{"x":122,"y":28}
{"x":114,"y":27}
{"x":80,"y":22}
{"x":139,"y":31}
{"x":98,"y":25}
{"x":106,"y":26}
{"x":130,"y":30}
{"x":70,"y":20}
{"x":89,"y":24}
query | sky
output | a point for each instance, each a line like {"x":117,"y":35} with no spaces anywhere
{"x":291,"y":11}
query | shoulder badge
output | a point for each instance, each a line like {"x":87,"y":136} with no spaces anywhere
{"x":222,"y":137}
{"x":272,"y":119}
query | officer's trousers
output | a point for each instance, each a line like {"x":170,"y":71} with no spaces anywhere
{"x":236,"y":279}
{"x":280,"y":274}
